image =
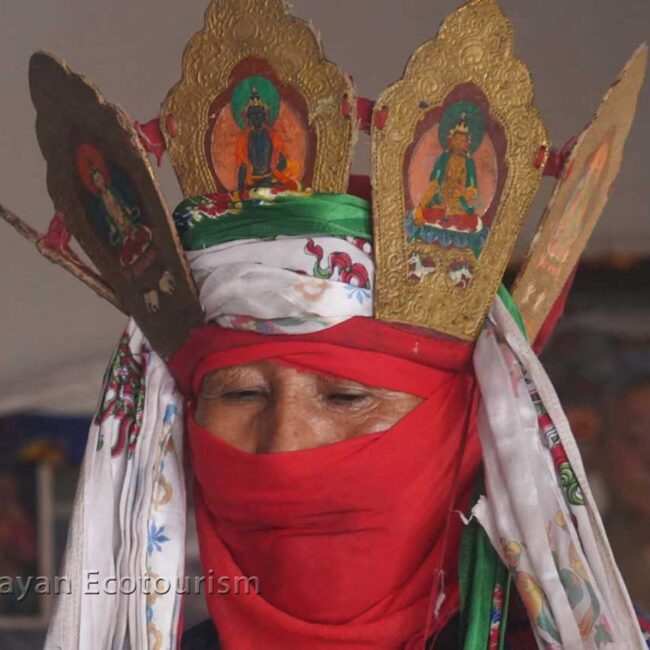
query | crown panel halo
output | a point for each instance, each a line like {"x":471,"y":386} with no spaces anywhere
{"x":453,"y":173}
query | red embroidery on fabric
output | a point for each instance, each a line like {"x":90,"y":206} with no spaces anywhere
{"x":351,"y":273}
{"x":123,"y":397}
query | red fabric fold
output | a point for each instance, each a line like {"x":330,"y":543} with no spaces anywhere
{"x":360,"y":365}
{"x":345,"y":539}
{"x":359,"y":333}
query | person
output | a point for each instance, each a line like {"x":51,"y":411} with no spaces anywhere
{"x":323,"y":525}
{"x":17,"y":532}
{"x":382,"y":484}
{"x":331,"y":455}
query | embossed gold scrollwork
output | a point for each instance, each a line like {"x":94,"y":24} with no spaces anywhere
{"x":235,"y":30}
{"x":474,"y":45}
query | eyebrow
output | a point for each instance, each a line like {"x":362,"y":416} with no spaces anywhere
{"x":221,"y":376}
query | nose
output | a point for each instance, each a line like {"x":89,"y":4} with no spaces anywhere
{"x":287,"y":427}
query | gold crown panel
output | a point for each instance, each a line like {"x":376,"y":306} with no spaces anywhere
{"x":99,"y":177}
{"x":453,"y":173}
{"x":579,"y":198}
{"x":258,"y":105}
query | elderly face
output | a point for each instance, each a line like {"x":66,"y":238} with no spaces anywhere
{"x":267,"y":408}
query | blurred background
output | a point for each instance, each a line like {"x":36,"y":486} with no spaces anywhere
{"x":56,"y":336}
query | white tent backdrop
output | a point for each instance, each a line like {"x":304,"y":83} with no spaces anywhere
{"x":55,"y":334}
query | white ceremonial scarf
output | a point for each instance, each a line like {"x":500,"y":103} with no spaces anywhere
{"x":129,"y":508}
{"x":539,"y":514}
{"x":279,"y":287}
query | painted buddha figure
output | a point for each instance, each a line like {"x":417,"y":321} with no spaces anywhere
{"x":118,"y":214}
{"x":121,"y":217}
{"x":451,"y":198}
{"x":262,"y":160}
{"x":114,"y":208}
{"x":577,"y":205}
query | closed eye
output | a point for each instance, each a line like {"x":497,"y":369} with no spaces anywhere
{"x":348,"y":398}
{"x":236,"y":395}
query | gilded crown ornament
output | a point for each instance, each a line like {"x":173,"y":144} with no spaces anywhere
{"x":258,"y":44}
{"x":99,"y":177}
{"x":255,"y":98}
{"x":458,"y":152}
{"x":453,"y":173}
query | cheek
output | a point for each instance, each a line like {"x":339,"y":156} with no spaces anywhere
{"x":319,"y":427}
{"x":384,"y":415}
{"x":234,"y":425}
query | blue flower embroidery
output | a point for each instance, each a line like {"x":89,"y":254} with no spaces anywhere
{"x":156,"y":538}
{"x":170,"y":413}
{"x":357,"y":293}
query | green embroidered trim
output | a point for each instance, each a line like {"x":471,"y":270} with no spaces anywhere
{"x":512,"y":308}
{"x":207,"y":221}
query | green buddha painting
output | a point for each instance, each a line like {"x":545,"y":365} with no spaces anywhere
{"x":261,"y":154}
{"x":447,"y":213}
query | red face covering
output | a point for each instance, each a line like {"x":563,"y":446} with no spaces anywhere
{"x":345,"y":539}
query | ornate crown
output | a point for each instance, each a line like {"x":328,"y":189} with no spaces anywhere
{"x":445,"y":220}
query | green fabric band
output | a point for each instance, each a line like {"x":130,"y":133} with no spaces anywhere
{"x":512,"y":308}
{"x":217,"y":219}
